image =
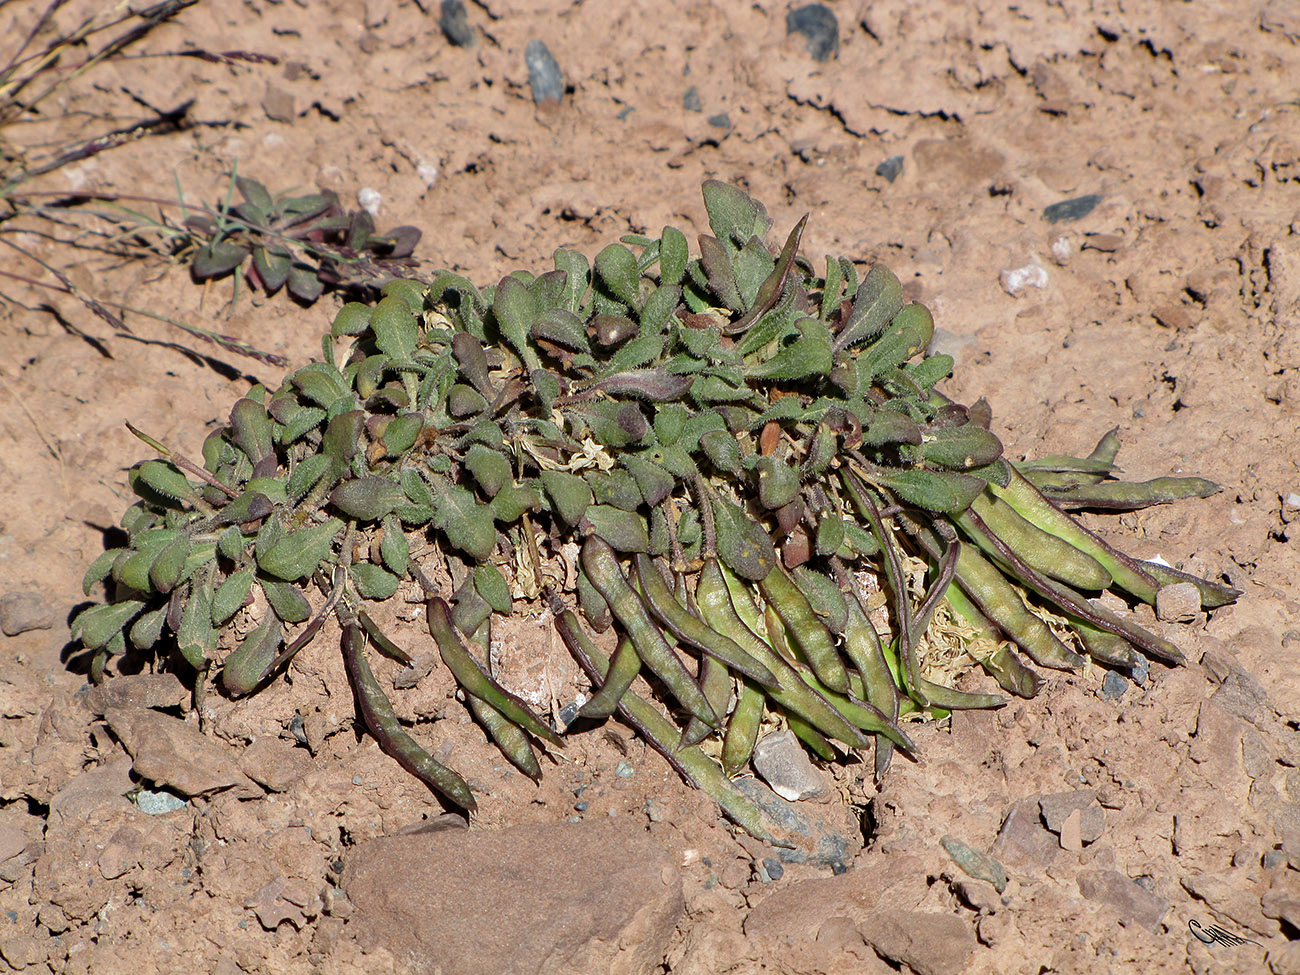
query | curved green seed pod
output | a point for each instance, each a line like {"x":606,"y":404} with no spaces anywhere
{"x":601,"y":566}
{"x":388,"y":731}
{"x":715,"y":682}
{"x":623,"y":670}
{"x":718,"y":607}
{"x":471,"y":677}
{"x":809,"y":633}
{"x":684,"y":626}
{"x":1046,"y":553}
{"x":508,"y":736}
{"x":1103,"y":647}
{"x":1127,"y":573}
{"x":998,"y":600}
{"x":691,"y":763}
{"x":742,"y":729}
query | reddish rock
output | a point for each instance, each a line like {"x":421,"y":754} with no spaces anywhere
{"x":530,"y":900}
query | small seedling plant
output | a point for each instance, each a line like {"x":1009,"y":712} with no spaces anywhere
{"x":733,"y":440}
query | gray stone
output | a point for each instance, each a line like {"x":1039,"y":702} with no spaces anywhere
{"x":159,"y":803}
{"x":23,"y":611}
{"x":1057,"y":808}
{"x":1023,"y":841}
{"x":545,"y":78}
{"x":1241,"y":694}
{"x":891,"y":168}
{"x":1068,"y":210}
{"x":819,"y":27}
{"x":454,"y":22}
{"x":784,"y":765}
{"x":1178,"y":603}
{"x":1134,"y":903}
{"x":691,"y":100}
{"x":1113,"y":686}
{"x":540,"y":899}
{"x":976,"y":864}
{"x":929,"y":944}
{"x":824,"y":834}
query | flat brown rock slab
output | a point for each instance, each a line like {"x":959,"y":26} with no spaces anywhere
{"x":928,"y":944}
{"x":136,"y":691}
{"x":541,"y":899}
{"x":169,"y":752}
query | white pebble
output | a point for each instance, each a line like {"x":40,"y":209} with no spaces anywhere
{"x":369,"y":199}
{"x":1061,"y":250}
{"x":428,"y":172}
{"x":1018,"y":279}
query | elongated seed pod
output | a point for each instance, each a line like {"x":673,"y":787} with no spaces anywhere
{"x":383,"y":724}
{"x":1035,"y":508}
{"x":1005,"y":667}
{"x":622,"y":671}
{"x":509,"y":737}
{"x":601,"y":566}
{"x":471,"y":677}
{"x":1104,"y":647}
{"x":717,"y":606}
{"x":742,"y":728}
{"x":1047,"y":553}
{"x":809,"y":633}
{"x":998,"y":600}
{"x":691,"y":763}
{"x":1075,"y":605}
{"x":686,"y":627}
{"x":715,"y":681}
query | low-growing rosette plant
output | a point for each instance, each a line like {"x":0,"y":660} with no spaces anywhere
{"x":743,"y":443}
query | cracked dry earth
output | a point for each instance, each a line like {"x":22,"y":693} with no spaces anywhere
{"x":1121,"y":812}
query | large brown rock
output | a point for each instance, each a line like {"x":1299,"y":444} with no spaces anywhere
{"x":546,"y":899}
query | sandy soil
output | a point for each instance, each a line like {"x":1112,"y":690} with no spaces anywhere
{"x":1171,"y":310}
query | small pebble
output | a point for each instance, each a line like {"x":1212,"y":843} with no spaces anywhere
{"x":891,"y":168}
{"x":1178,"y":603}
{"x":773,"y":867}
{"x":691,"y":100}
{"x":784,"y":765}
{"x":23,"y":611}
{"x":624,"y":770}
{"x":357,"y":780}
{"x":581,"y":806}
{"x":819,"y":27}
{"x":1075,"y":209}
{"x":1140,"y":670}
{"x":455,"y":23}
{"x":569,"y":714}
{"x":1113,"y":686}
{"x":369,"y":200}
{"x":158,"y":803}
{"x":544,"y":75}
{"x":1016,"y":280}
{"x":720,"y":121}
{"x":656,"y":812}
